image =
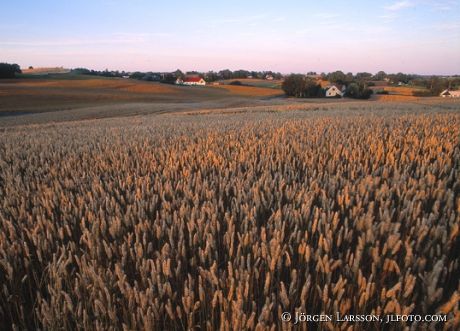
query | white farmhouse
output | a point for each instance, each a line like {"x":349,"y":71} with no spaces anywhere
{"x":194,"y":80}
{"x":191,"y":80}
{"x":333,"y":91}
{"x":450,"y":94}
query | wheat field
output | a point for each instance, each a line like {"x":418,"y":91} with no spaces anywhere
{"x":224,"y":221}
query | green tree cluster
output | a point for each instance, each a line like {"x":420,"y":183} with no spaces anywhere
{"x":301,"y":87}
{"x":358,"y":91}
{"x":8,"y":70}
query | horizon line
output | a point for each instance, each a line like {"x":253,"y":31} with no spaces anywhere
{"x":249,"y":70}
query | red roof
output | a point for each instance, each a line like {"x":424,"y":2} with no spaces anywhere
{"x":193,"y":79}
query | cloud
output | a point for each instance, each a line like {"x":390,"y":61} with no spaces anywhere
{"x":400,"y":5}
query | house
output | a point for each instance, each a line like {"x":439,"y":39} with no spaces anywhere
{"x":450,"y":94}
{"x":334,"y":91}
{"x":191,"y":80}
{"x":269,"y":77}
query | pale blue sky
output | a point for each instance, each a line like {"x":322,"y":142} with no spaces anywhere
{"x":416,"y":36}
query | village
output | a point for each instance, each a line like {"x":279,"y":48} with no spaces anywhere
{"x":326,"y":88}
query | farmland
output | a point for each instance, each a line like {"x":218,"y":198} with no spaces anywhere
{"x":275,"y":84}
{"x":224,"y":219}
{"x":62,"y":92}
{"x":40,"y":99}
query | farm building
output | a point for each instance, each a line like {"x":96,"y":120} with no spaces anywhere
{"x":334,"y":91}
{"x":450,"y":94}
{"x":191,"y":80}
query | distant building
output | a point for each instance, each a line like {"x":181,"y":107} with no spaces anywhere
{"x":334,"y":91}
{"x":269,"y":77}
{"x":125,"y":76}
{"x":191,"y":80}
{"x":450,"y":94}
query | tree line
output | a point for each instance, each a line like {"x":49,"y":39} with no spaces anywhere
{"x":170,"y":77}
{"x":102,"y":73}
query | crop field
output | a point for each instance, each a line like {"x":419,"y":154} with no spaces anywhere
{"x":403,"y":90}
{"x":399,"y":94}
{"x":64,"y":92}
{"x":274,"y":84}
{"x":225,"y":220}
{"x":45,"y":71}
{"x":251,"y":90}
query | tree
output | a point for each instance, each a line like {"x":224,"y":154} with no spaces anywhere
{"x":350,"y":78}
{"x":381,"y":75}
{"x":241,"y":74}
{"x":179,"y":74}
{"x":364,"y":76}
{"x":437,"y":85}
{"x":293,"y":86}
{"x":401,"y":77}
{"x":9,"y":70}
{"x":137,"y":75}
{"x":337,"y":77}
{"x":81,"y":71}
{"x":298,"y":86}
{"x":358,"y":91}
{"x":170,"y":78}
{"x":211,"y":76}
{"x":226,"y":74}
{"x":352,"y":90}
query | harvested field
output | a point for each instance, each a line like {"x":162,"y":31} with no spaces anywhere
{"x":257,"y":82}
{"x":251,"y":90}
{"x":42,"y":71}
{"x":403,"y":90}
{"x":395,"y":98}
{"x":117,"y":84}
{"x":64,"y":92}
{"x":227,"y":219}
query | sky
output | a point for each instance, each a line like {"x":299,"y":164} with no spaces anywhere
{"x":411,"y":36}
